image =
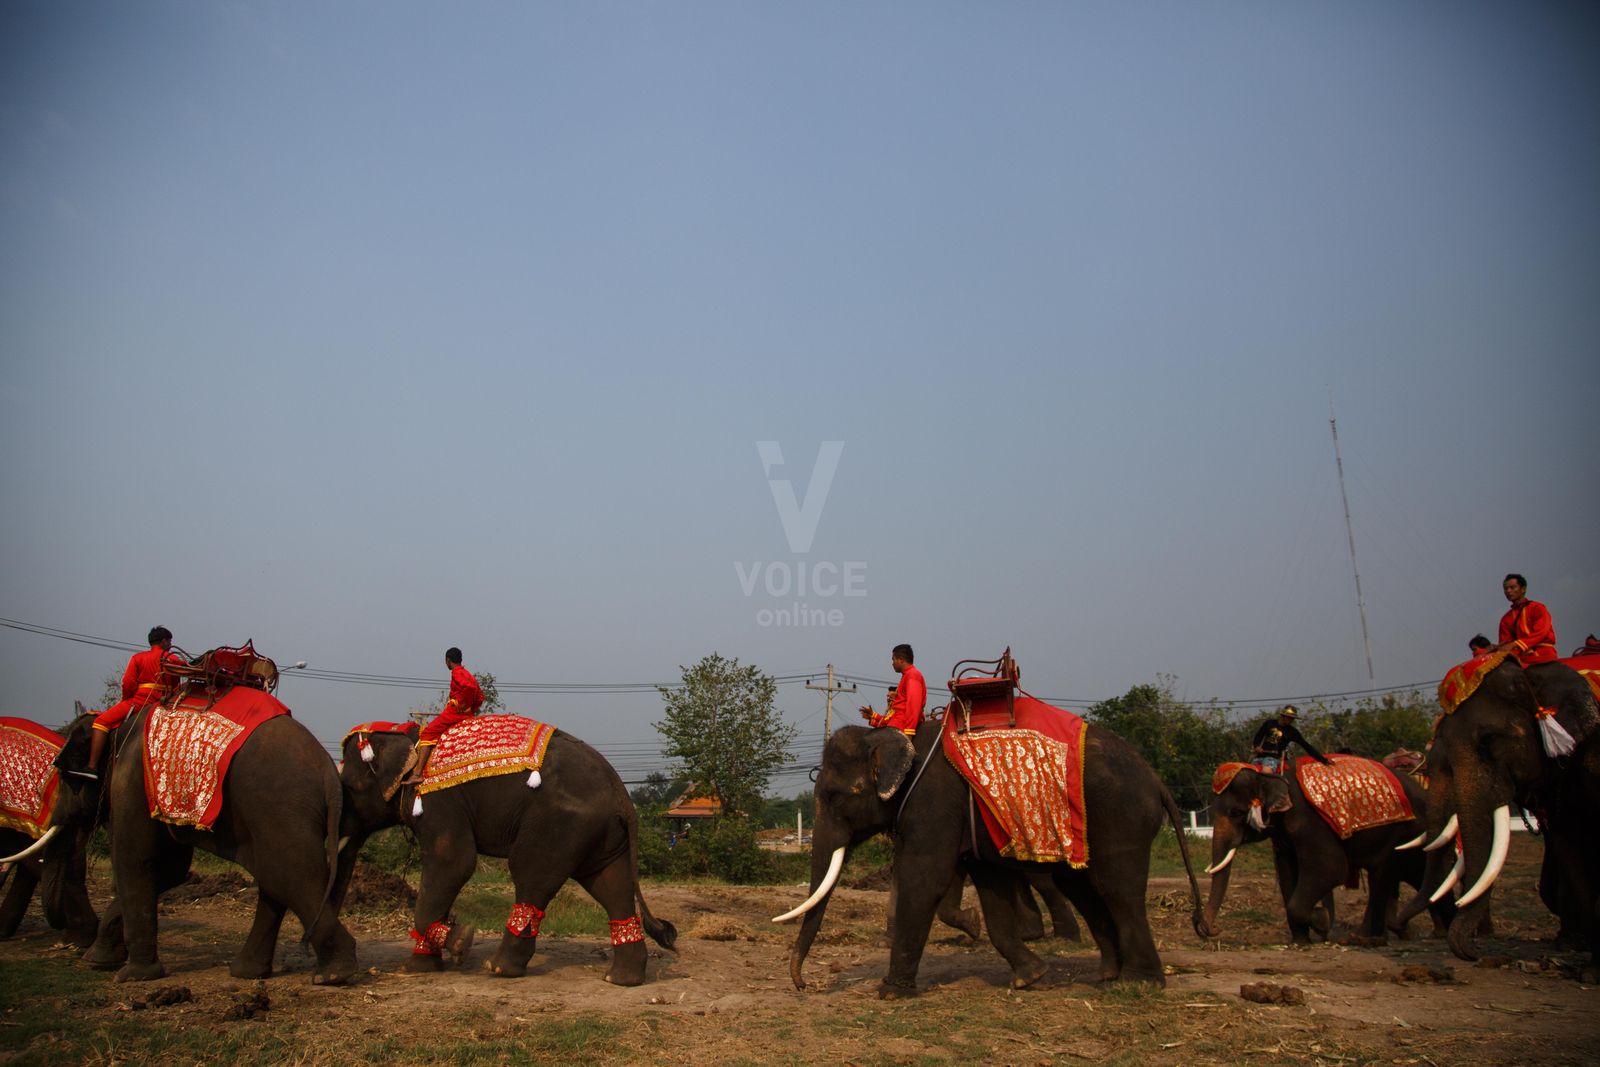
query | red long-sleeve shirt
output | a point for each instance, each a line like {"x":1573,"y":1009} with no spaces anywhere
{"x":905,"y":707}
{"x":463,"y":703}
{"x":142,"y":684}
{"x":1528,"y":623}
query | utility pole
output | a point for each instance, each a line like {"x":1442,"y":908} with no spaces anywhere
{"x":830,"y":689}
{"x":1350,"y":531}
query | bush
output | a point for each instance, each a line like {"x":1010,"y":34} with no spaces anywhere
{"x":394,"y":850}
{"x":725,"y":850}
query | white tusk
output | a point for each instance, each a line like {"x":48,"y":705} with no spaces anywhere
{"x":1449,"y":882}
{"x":1497,"y":857}
{"x":834,"y":867}
{"x":1444,"y":837}
{"x":31,"y":849}
{"x":1415,"y":842}
{"x":1215,"y":867}
{"x":343,"y":841}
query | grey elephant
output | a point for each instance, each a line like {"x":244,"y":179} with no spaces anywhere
{"x":279,"y":820}
{"x":579,"y":823}
{"x":876,"y":780}
{"x":33,"y":852}
{"x":1489,"y":754}
{"x":1310,"y":859}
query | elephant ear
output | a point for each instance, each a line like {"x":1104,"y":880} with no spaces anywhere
{"x":892,"y":756}
{"x":1274,"y":793}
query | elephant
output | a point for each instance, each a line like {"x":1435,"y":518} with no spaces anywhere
{"x":57,"y":859}
{"x":1487,"y":755}
{"x":878,"y":780}
{"x":279,"y":820}
{"x":1310,"y":858}
{"x":61,"y":865}
{"x":578,"y":823}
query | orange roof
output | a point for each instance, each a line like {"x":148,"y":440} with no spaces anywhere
{"x":689,"y":807}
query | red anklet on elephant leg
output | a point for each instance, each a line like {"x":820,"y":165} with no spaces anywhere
{"x":626,"y":931}
{"x":432,"y":942}
{"x":524,"y":921}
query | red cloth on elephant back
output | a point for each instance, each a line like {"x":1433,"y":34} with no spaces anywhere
{"x":486,"y":745}
{"x":1028,"y":779}
{"x":1225,"y":773}
{"x":189,"y":746}
{"x":1355,"y":793}
{"x":378,"y":726}
{"x":1464,"y":678}
{"x":1588,"y":668}
{"x":28,"y":778}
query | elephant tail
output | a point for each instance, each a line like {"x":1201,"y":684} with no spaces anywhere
{"x":661,"y":931}
{"x":1196,"y":917}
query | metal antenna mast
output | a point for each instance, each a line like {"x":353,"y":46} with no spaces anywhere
{"x":1361,"y":605}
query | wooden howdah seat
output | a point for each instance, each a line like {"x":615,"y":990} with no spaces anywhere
{"x":224,"y":667}
{"x":983,"y":693}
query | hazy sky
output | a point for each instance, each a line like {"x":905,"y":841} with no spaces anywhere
{"x":366,"y":329}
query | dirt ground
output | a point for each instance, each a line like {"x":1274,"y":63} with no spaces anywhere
{"x":725,"y":996}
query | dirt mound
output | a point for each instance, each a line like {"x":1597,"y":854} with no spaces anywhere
{"x":375,"y":889}
{"x":202,"y":886}
{"x":721,"y":930}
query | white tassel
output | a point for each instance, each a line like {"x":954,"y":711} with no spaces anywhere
{"x":1557,"y":742}
{"x":366,"y":751}
{"x":534,"y":781}
{"x":416,"y":806}
{"x":1256,"y":819}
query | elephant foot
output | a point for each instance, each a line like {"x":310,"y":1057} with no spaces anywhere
{"x":967,"y":921}
{"x":459,"y":943}
{"x":141,"y":972}
{"x":250,"y":969}
{"x":81,"y":939}
{"x":512,"y":959}
{"x":627,"y":964}
{"x":1367,"y":940}
{"x":505,"y":968}
{"x":424,"y":964}
{"x":338,"y":975}
{"x":1029,"y":973}
{"x":105,"y":957}
{"x":888,"y":990}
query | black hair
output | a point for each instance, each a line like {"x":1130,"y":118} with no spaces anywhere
{"x":159,"y":634}
{"x":1520,"y":580}
{"x":452,"y":655}
{"x":1479,"y":641}
{"x":904,"y":652}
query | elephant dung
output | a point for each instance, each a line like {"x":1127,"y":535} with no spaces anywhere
{"x":1267,"y":993}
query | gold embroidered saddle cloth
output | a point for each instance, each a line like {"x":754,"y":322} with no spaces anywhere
{"x":189,"y":745}
{"x":486,"y":745}
{"x":28,"y":777}
{"x":1028,"y":779}
{"x":1355,"y":793}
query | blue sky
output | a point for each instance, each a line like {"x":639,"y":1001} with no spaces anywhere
{"x":367,"y":329}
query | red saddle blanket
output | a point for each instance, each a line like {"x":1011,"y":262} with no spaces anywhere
{"x":1028,"y":779}
{"x":28,"y":778}
{"x":486,"y":745}
{"x":1225,"y":774}
{"x":189,"y":746}
{"x":1463,"y":679}
{"x":1355,"y":793}
{"x":1588,"y":668}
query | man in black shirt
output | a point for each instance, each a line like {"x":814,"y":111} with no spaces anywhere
{"x":1276,"y":735}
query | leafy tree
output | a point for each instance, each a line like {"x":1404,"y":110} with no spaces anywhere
{"x":723,"y":731}
{"x":1182,"y":744}
{"x":658,"y":791}
{"x":1374,"y":728}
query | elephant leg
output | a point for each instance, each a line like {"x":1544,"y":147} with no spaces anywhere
{"x":1001,"y":894}
{"x":1124,"y":895}
{"x":952,"y":914}
{"x":20,"y":886}
{"x":147,"y":863}
{"x":1030,"y":920}
{"x":444,"y":873}
{"x":109,"y":950}
{"x":1101,"y":927}
{"x":296,"y":880}
{"x":254,"y":959}
{"x":536,"y":877}
{"x":916,"y":900}
{"x":612,"y":889}
{"x":1063,"y":924}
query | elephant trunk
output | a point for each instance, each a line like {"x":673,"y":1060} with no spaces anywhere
{"x":1225,"y":842}
{"x":825,"y":866}
{"x":1485,"y":838}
